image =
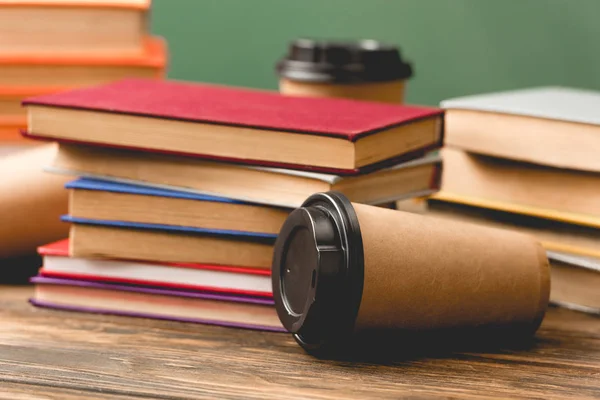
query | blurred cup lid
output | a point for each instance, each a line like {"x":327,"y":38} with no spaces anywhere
{"x":343,"y":62}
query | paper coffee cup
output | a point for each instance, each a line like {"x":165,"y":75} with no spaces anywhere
{"x":342,"y":270}
{"x":31,"y":201}
{"x":363,"y":70}
{"x":387,"y":92}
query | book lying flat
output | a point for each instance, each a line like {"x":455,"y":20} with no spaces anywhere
{"x":11,"y":111}
{"x":229,"y":233}
{"x":10,"y":131}
{"x":75,"y":70}
{"x":554,"y":126}
{"x":238,"y":125}
{"x":10,"y":107}
{"x":581,"y":261}
{"x":575,"y":282}
{"x":280,"y":187}
{"x":94,"y":199}
{"x":64,"y":26}
{"x":483,"y":181}
{"x":99,"y":239}
{"x":208,"y":278}
{"x":554,"y":235}
{"x":172,"y":305}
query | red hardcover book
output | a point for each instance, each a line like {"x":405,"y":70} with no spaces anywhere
{"x":211,"y":278}
{"x":238,"y":125}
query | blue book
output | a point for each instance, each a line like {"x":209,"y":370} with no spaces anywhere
{"x":107,"y":203}
{"x":169,"y":228}
{"x":117,"y":187}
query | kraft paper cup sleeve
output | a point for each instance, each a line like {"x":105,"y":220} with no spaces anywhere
{"x":422,"y":273}
{"x":387,"y":92}
{"x":31,"y":202}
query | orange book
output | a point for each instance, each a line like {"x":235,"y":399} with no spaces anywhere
{"x":11,"y":127}
{"x":127,"y":4}
{"x":53,"y":72}
{"x":11,"y":134}
{"x":11,"y":111}
{"x":63,"y":27}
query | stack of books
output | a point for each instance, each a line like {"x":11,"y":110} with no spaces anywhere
{"x":528,"y":160}
{"x":182,"y":189}
{"x":48,"y":46}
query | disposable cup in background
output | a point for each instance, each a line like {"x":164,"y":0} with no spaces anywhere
{"x":365,"y":70}
{"x":362,"y":70}
{"x":31,"y":202}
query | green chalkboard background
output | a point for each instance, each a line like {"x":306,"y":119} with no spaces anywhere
{"x":458,"y":46}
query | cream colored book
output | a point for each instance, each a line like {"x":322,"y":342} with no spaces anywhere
{"x":552,"y":193}
{"x":92,"y":199}
{"x":95,"y":241}
{"x":554,"y":235}
{"x":63,"y":27}
{"x":271,"y":186}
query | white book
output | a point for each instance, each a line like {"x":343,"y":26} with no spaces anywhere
{"x":214,"y":278}
{"x":553,"y":126}
{"x":574,"y":105}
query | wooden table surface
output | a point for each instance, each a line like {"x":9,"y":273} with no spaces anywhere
{"x":50,"y":354}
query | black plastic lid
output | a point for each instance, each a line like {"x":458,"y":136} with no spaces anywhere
{"x":343,"y":62}
{"x":318,"y":272}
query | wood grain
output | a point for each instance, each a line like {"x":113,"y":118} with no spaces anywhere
{"x":50,"y":354}
{"x":21,"y":391}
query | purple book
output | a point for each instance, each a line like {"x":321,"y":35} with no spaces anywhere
{"x":144,"y":302}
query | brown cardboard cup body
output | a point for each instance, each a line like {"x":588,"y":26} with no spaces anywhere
{"x":31,"y":202}
{"x":388,"y":92}
{"x":421,"y":273}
